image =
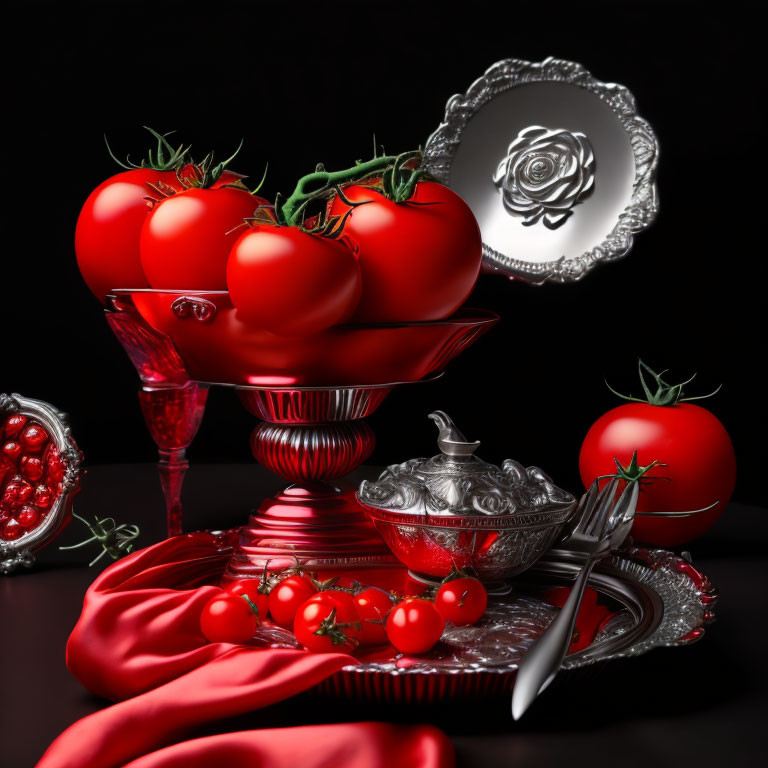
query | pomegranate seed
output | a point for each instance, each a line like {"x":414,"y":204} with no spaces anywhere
{"x":55,"y":467}
{"x":17,"y":492}
{"x":28,"y":516}
{"x":7,"y":468}
{"x":34,"y":437}
{"x":13,"y":425}
{"x":12,"y":530}
{"x":31,"y":467}
{"x":43,"y":497}
{"x":12,"y":450}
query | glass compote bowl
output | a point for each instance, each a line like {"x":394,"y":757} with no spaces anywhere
{"x":312,"y":395}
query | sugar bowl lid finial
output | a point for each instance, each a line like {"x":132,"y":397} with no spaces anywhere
{"x":449,"y":439}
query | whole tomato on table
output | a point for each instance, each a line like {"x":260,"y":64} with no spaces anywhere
{"x":420,"y":249}
{"x":110,"y":221}
{"x":696,"y":472}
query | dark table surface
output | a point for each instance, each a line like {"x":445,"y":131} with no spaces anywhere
{"x":702,"y":705}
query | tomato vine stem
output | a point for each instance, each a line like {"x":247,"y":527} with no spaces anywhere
{"x":313,"y":185}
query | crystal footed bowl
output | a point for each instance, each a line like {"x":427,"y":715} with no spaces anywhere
{"x":205,"y":342}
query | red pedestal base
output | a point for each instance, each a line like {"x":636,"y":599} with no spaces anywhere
{"x":316,"y":523}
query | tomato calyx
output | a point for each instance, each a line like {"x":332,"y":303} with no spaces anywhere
{"x":634,"y":472}
{"x":205,"y":174}
{"x":158,"y":161}
{"x":335,"y":630}
{"x":460,"y":573}
{"x":665,"y":395}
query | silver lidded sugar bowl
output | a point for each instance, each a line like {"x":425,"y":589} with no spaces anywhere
{"x":455,"y":510}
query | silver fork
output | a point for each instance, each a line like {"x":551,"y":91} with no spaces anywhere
{"x":603,"y":525}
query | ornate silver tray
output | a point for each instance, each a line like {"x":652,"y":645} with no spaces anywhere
{"x":557,"y":167}
{"x":658,"y":598}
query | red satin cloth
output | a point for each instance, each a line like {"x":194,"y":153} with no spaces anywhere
{"x":138,"y":642}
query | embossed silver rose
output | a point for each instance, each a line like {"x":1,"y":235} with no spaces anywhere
{"x":545,"y":174}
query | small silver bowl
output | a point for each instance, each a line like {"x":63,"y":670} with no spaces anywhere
{"x":454,"y":510}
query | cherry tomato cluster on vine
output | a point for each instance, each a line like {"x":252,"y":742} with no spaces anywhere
{"x":327,"y":618}
{"x":387,"y":244}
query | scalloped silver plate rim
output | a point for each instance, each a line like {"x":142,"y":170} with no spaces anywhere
{"x":638,"y":215}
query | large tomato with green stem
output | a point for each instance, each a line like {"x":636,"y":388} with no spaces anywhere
{"x":294,"y":278}
{"x":110,"y":221}
{"x":187,"y":236}
{"x":687,"y":491}
{"x":420,"y":249}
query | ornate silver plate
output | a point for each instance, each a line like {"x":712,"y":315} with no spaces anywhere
{"x":658,"y":599}
{"x":557,"y":167}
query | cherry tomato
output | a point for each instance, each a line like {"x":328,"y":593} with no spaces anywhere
{"x":256,"y":592}
{"x":286,"y":597}
{"x":461,"y":601}
{"x":328,"y":622}
{"x":419,"y":259}
{"x":697,"y":457}
{"x":228,"y":619}
{"x":414,"y":626}
{"x":291,"y":282}
{"x":186,"y":238}
{"x":373,"y":606}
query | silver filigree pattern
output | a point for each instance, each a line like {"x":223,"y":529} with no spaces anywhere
{"x":638,"y":214}
{"x":545,"y":174}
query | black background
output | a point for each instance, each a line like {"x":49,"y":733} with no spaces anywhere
{"x":308,"y":83}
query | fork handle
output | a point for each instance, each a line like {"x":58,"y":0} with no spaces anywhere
{"x":542,"y":662}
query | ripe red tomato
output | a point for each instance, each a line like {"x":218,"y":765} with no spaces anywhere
{"x":419,"y":259}
{"x":328,"y":622}
{"x":698,"y":472}
{"x":373,"y":607}
{"x":108,"y":229}
{"x":461,"y":601}
{"x":187,"y":237}
{"x":110,"y":221}
{"x":286,"y":597}
{"x":255,"y":590}
{"x":414,"y":626}
{"x":228,"y":619}
{"x":291,"y":282}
